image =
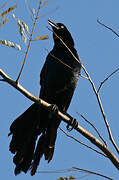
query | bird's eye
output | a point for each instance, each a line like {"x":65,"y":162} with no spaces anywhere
{"x":62,"y":26}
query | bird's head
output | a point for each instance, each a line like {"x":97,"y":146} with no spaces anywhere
{"x":60,"y":30}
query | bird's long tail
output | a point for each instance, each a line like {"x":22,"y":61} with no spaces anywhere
{"x":46,"y":144}
{"x":25,"y":129}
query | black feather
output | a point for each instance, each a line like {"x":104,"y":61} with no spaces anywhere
{"x":58,"y":83}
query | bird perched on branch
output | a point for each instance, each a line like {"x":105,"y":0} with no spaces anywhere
{"x":58,"y":80}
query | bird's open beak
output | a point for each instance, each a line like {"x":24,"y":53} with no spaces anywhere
{"x":54,"y":25}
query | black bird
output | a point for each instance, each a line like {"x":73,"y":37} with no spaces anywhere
{"x":58,"y":80}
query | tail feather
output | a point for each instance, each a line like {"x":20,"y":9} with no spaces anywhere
{"x":23,"y":158}
{"x":38,"y":153}
{"x":51,"y":137}
{"x":25,"y":130}
{"x":23,"y":139}
{"x":46,"y":145}
{"x":42,"y":148}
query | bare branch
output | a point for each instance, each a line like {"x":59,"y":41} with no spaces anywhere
{"x":58,"y":171}
{"x":82,"y":142}
{"x":96,"y":93}
{"x":83,"y":76}
{"x":60,"y":60}
{"x":102,"y":111}
{"x":107,"y":79}
{"x":93,"y":128}
{"x":65,"y":118}
{"x":29,"y":10}
{"x":75,"y":169}
{"x":108,"y":28}
{"x":29,"y":42}
{"x":91,"y":172}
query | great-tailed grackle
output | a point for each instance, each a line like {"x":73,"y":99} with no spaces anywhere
{"x":58,"y":80}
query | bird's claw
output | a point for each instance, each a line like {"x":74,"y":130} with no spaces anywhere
{"x":54,"y":108}
{"x":73,"y":123}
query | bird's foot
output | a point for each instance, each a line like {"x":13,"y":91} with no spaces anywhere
{"x":73,"y":123}
{"x":53,"y":110}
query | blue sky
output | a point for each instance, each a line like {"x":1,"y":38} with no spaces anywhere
{"x":98,"y":49}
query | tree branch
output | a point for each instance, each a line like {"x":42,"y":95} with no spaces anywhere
{"x":108,"y":28}
{"x":102,"y":111}
{"x":29,"y":42}
{"x":82,"y":143}
{"x":91,"y":172}
{"x":96,"y":93}
{"x":107,"y":79}
{"x":93,"y":128}
{"x":65,"y":118}
{"x":75,"y":169}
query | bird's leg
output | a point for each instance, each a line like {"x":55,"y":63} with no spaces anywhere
{"x":54,"y":109}
{"x":73,"y":123}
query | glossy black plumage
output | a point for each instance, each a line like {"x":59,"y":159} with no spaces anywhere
{"x":58,"y":80}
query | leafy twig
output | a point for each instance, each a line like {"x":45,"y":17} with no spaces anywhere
{"x":29,"y":43}
{"x":3,"y":14}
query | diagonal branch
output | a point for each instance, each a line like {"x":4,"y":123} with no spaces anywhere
{"x":93,"y":128}
{"x":107,"y":79}
{"x":82,"y":143}
{"x":102,"y":111}
{"x":76,"y":169}
{"x":65,"y":118}
{"x":91,"y":172}
{"x":108,"y":28}
{"x":29,"y":43}
{"x":96,"y":93}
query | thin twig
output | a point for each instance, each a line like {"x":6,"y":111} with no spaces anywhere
{"x":78,"y":60}
{"x":63,"y":117}
{"x":107,"y":79}
{"x":29,"y":10}
{"x":73,"y":169}
{"x":29,"y":43}
{"x":82,"y":143}
{"x":58,"y":171}
{"x":102,"y":111}
{"x":50,"y":12}
{"x":108,"y":28}
{"x":83,"y":76}
{"x":96,"y":93}
{"x":91,"y":172}
{"x":59,"y":60}
{"x":93,"y":128}
{"x":63,"y":171}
